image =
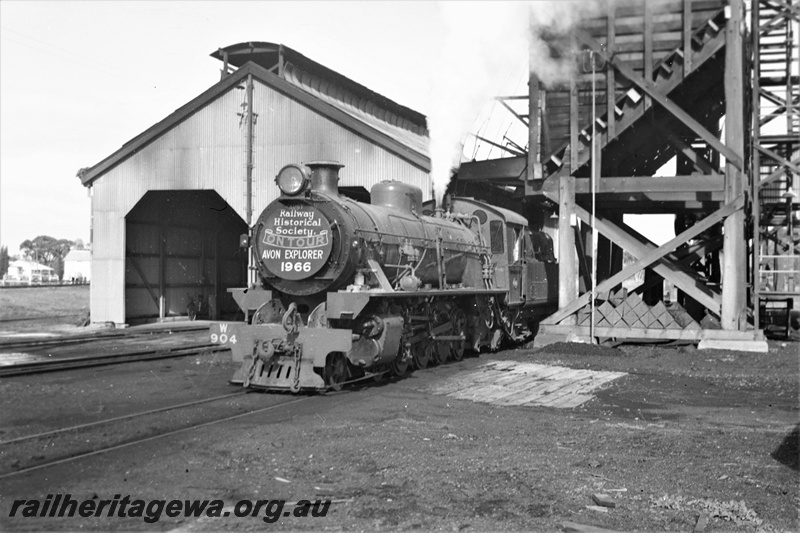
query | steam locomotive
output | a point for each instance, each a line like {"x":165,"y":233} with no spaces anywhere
{"x":352,"y":290}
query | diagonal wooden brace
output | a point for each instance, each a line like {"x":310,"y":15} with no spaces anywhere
{"x":700,"y":162}
{"x":649,"y":255}
{"x":138,"y":269}
{"x":779,"y":173}
{"x":793,"y":166}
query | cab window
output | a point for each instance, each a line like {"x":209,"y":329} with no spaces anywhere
{"x":496,"y":236}
{"x":529,"y":255}
{"x":523,"y":248}
{"x":514,"y":244}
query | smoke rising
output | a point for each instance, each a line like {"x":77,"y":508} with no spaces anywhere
{"x":485,"y":42}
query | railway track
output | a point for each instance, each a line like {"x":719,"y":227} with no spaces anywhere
{"x":39,"y":451}
{"x":43,"y":450}
{"x":41,"y":342}
{"x":28,"y":453}
{"x":68,"y":363}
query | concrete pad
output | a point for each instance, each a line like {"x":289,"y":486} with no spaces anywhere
{"x":544,"y":339}
{"x":580,"y":339}
{"x":759,"y":346}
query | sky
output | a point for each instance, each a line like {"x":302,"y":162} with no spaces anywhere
{"x":78,"y":79}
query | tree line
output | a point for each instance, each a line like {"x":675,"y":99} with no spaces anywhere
{"x":43,"y":249}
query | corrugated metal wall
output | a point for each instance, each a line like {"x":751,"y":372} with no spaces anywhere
{"x":287,"y":132}
{"x":208,"y":152}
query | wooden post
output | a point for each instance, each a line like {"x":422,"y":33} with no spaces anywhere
{"x":249,"y":175}
{"x":756,"y":165}
{"x":573,"y":120}
{"x":251,"y":280}
{"x":534,"y":168}
{"x":224,"y":72}
{"x":567,"y":259}
{"x":202,"y":262}
{"x":218,"y":298}
{"x":162,"y":269}
{"x":647,"y":34}
{"x":611,"y":92}
{"x":734,"y":247}
{"x":687,"y":37}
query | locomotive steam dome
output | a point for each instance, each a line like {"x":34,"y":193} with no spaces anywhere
{"x":397,"y":195}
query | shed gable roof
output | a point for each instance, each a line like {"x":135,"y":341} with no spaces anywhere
{"x":308,"y":73}
{"x":404,"y":144}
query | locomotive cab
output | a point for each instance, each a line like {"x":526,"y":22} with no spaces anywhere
{"x":537,"y":266}
{"x":523,"y":261}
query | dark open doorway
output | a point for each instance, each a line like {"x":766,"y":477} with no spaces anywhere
{"x":181,"y":255}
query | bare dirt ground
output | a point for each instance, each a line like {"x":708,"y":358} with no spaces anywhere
{"x":686,"y":434}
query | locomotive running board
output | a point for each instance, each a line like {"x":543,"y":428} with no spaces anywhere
{"x":348,"y":305}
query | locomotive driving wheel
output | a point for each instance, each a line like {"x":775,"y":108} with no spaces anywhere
{"x":441,"y":353}
{"x":335,"y":371}
{"x":402,"y":361}
{"x":510,"y":322}
{"x":459,"y":320}
{"x":421,"y":354}
{"x":486,"y":314}
{"x":441,"y":317}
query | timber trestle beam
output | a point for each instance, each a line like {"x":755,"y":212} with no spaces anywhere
{"x":646,"y":256}
{"x":655,"y":84}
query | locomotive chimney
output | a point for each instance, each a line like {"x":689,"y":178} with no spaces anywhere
{"x":325,"y":176}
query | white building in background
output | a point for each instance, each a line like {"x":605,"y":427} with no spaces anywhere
{"x":30,"y":273}
{"x":78,"y":266}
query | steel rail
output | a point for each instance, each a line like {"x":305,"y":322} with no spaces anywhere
{"x":101,"y":360}
{"x":148,"y":439}
{"x":123,"y":417}
{"x":86,"y":337}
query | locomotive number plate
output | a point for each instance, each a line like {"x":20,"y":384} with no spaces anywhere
{"x":221,"y":335}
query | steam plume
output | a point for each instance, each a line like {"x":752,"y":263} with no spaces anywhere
{"x":485,"y":41}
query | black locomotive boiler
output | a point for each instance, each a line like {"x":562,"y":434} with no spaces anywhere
{"x":352,"y":289}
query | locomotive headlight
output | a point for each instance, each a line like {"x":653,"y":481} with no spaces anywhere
{"x":292,"y":179}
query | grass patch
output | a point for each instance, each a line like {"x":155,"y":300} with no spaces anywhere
{"x":69,"y":301}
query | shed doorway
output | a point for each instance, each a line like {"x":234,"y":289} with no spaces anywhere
{"x":181,"y":256}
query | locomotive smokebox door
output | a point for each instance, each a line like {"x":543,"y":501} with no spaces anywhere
{"x":295,"y":242}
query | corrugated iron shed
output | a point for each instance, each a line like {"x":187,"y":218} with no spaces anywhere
{"x":392,"y":126}
{"x":157,"y":236}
